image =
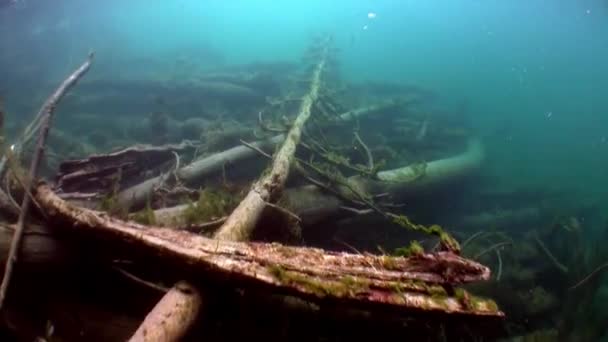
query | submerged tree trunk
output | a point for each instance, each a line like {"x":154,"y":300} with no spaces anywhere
{"x":370,"y":281}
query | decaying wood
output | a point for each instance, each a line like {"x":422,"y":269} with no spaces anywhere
{"x":171,"y":317}
{"x":242,"y":221}
{"x":96,"y":174}
{"x":45,"y":114}
{"x":370,"y":281}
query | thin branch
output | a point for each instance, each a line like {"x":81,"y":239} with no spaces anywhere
{"x":498,"y":256}
{"x":550,"y":255}
{"x":138,"y":280}
{"x":265,"y":127}
{"x":45,"y":114}
{"x":284,"y":211}
{"x":357,"y":211}
{"x":584,"y":280}
{"x":471,"y":238}
{"x":255,"y":148}
{"x":368,"y":152}
{"x":202,"y":227}
{"x":491,"y":248}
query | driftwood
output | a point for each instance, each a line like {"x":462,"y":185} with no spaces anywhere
{"x":371,"y":281}
{"x":45,"y":114}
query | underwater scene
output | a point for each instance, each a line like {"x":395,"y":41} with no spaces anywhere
{"x":347,"y":170}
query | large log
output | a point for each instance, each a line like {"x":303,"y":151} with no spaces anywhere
{"x":370,"y":281}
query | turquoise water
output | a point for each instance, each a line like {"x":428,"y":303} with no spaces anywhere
{"x":532,"y":74}
{"x":532,"y":71}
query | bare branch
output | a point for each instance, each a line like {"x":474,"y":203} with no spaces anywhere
{"x":45,"y":114}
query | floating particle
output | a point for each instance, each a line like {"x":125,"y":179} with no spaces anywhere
{"x":371,"y":15}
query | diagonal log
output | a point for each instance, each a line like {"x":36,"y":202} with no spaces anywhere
{"x":242,"y":221}
{"x":370,"y":281}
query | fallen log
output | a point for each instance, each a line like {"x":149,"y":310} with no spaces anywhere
{"x":412,"y":178}
{"x":242,"y":221}
{"x":198,"y":170}
{"x":370,"y":281}
{"x":312,"y":204}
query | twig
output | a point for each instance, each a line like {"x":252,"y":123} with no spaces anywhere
{"x":357,"y":211}
{"x":141,"y":281}
{"x":499,"y":273}
{"x":22,"y":183}
{"x":201,"y":227}
{"x":352,"y":248}
{"x":550,"y":255}
{"x":255,"y":148}
{"x":284,"y":211}
{"x":266,"y":127}
{"x":45,"y":114}
{"x":584,"y":280}
{"x":368,"y":152}
{"x":471,"y":238}
{"x":491,"y":248}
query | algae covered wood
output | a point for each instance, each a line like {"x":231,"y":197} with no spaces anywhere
{"x":361,"y":279}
